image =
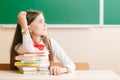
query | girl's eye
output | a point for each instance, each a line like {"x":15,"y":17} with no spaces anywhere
{"x":40,"y":21}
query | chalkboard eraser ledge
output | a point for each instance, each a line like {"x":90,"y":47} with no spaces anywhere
{"x":52,"y":26}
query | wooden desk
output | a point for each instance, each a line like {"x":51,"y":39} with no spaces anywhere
{"x":77,"y":75}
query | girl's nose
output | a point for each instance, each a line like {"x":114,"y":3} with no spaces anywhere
{"x":45,"y":25}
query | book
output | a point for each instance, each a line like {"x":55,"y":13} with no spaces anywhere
{"x":31,"y":58}
{"x":28,"y":64}
{"x":36,"y":53}
{"x":45,"y":68}
{"x":43,"y":72}
{"x":35,"y":61}
{"x":27,"y":68}
{"x":27,"y":72}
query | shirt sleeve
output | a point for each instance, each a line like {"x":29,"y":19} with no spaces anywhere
{"x":61,"y":55}
{"x":26,"y":46}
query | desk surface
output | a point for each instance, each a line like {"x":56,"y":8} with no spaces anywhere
{"x":77,"y":75}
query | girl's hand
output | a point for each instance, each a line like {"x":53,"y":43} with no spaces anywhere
{"x":22,"y":20}
{"x":56,"y":70}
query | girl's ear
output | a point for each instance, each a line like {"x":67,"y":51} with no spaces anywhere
{"x":29,"y":27}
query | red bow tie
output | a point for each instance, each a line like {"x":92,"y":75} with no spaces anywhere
{"x":39,"y":46}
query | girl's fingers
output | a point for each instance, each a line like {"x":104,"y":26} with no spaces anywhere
{"x":22,"y":19}
{"x":51,"y":70}
{"x":55,"y":70}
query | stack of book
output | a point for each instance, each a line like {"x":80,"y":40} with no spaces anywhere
{"x":33,"y":62}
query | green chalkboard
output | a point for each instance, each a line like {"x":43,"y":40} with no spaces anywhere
{"x":112,"y":12}
{"x":55,"y":11}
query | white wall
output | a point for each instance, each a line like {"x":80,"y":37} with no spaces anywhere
{"x":100,"y":47}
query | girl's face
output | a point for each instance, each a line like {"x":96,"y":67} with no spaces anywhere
{"x":38,"y":26}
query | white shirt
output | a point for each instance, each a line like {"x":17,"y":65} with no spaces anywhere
{"x":58,"y":52}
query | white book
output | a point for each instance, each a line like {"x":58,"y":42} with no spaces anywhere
{"x":25,"y":68}
{"x":27,"y":72}
{"x":36,"y":53}
{"x":33,"y":58}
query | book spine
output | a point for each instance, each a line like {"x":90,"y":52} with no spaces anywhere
{"x":20,"y":64}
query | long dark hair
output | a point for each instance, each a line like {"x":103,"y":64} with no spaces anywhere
{"x":30,"y":16}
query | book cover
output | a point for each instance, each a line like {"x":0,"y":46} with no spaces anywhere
{"x":27,"y":58}
{"x":28,"y":64}
{"x":27,"y":72}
